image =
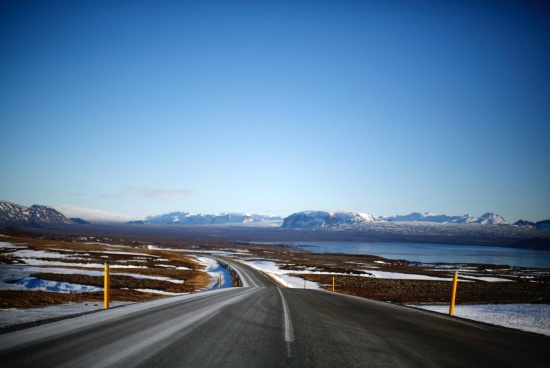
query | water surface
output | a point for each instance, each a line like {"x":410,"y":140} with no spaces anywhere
{"x":433,"y":253}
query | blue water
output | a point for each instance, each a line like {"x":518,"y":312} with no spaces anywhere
{"x":432,"y":253}
{"x":227,"y":282}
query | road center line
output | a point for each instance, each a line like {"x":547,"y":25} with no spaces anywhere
{"x":289,"y":333}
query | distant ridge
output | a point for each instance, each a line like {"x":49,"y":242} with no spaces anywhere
{"x":186,"y":218}
{"x":485,"y":219}
{"x":12,"y":214}
{"x":545,"y":224}
{"x":326,"y":219}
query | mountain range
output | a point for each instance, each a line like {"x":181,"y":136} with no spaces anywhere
{"x":186,"y":218}
{"x":12,"y":214}
{"x":326,"y":219}
{"x":486,"y":219}
{"x":334,"y":219}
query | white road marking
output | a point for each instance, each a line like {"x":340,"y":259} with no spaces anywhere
{"x":289,"y":333}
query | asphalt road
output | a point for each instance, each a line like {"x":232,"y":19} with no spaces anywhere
{"x":263,"y":325}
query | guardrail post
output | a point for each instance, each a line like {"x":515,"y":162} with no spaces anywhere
{"x":453,"y":294}
{"x":106,"y":287}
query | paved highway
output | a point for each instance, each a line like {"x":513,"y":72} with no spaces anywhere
{"x":263,"y":325}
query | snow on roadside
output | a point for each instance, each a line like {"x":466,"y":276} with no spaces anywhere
{"x":402,"y":276}
{"x":21,"y":315}
{"x":214,"y":269}
{"x":525,"y":317}
{"x":485,"y":278}
{"x":209,"y":263}
{"x":271,"y":269}
{"x":155,"y":291}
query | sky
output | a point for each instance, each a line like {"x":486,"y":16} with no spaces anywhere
{"x":275,"y":107}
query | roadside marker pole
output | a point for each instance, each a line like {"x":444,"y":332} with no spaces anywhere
{"x":304,"y":284}
{"x":106,"y":288}
{"x":220,"y":280}
{"x":333,"y":284}
{"x":453,"y":295}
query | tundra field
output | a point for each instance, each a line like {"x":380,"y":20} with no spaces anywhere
{"x":142,"y":271}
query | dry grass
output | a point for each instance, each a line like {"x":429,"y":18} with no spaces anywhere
{"x":151,"y":262}
{"x":398,"y":291}
{"x":525,"y":286}
{"x":435,"y":292}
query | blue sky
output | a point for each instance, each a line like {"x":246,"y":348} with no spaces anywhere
{"x":147,"y":107}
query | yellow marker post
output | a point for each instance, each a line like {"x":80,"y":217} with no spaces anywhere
{"x":453,"y":294}
{"x":333,"y":284}
{"x":106,"y":288}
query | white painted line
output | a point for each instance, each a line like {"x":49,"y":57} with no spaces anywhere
{"x":289,"y":333}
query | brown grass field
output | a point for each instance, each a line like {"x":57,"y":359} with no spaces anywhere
{"x":522,"y":285}
{"x":122,"y":286}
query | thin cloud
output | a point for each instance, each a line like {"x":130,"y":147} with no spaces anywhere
{"x":168,"y":195}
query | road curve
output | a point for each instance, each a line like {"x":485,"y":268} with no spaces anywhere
{"x":263,"y":325}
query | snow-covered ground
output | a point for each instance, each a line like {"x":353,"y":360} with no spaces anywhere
{"x":285,"y":279}
{"x":281,"y":276}
{"x":214,"y":269}
{"x":18,"y":277}
{"x":526,"y":317}
{"x":22,"y":315}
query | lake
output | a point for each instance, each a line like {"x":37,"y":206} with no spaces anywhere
{"x":433,"y":253}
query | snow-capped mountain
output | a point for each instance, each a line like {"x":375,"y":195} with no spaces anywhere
{"x":524,"y":223}
{"x":424,"y":217}
{"x":92,"y":215}
{"x":326,"y":219}
{"x":486,"y":219}
{"x":187,"y":218}
{"x":35,"y":216}
{"x":545,"y":224}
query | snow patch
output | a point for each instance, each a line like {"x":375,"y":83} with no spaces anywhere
{"x":525,"y":317}
{"x":403,"y":276}
{"x":270,"y":268}
{"x":32,"y":283}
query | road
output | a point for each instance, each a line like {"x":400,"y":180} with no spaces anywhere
{"x":263,"y":325}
